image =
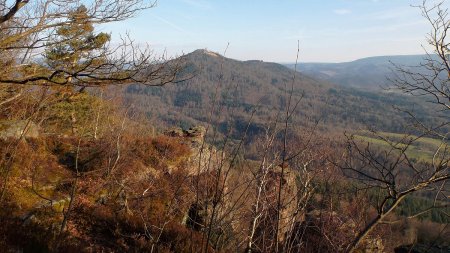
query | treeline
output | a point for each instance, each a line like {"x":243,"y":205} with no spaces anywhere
{"x":246,"y":86}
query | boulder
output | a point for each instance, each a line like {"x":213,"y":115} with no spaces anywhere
{"x":17,"y":128}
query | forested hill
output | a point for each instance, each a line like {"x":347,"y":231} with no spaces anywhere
{"x":368,"y":73}
{"x":241,"y":86}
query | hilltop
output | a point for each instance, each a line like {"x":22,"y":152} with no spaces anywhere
{"x":243,"y":86}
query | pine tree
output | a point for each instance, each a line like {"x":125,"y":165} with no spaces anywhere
{"x":75,"y":47}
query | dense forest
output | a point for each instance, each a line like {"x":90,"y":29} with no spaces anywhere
{"x":105,"y":147}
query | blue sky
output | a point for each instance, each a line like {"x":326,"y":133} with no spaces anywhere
{"x":328,"y":30}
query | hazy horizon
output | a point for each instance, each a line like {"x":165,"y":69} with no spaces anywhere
{"x":329,"y":31}
{"x":314,"y":62}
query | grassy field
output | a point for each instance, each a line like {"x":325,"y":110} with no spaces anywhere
{"x":422,"y":149}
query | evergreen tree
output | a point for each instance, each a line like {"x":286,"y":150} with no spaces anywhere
{"x":75,"y":47}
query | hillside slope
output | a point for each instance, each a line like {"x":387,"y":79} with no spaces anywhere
{"x":240,"y":87}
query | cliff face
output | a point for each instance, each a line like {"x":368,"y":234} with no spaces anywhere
{"x":203,"y":157}
{"x":226,"y":194}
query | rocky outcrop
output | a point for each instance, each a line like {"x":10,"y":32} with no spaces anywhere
{"x":175,"y":132}
{"x":18,"y":128}
{"x":289,"y":201}
{"x":194,"y":134}
{"x":203,"y":156}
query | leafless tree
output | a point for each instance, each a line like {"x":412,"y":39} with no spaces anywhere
{"x":391,"y":171}
{"x":433,"y":84}
{"x":28,"y":28}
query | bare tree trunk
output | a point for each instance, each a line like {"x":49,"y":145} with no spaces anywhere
{"x":257,"y":212}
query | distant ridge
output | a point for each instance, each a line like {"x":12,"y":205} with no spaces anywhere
{"x":368,"y":73}
{"x":380,"y":58}
{"x":242,"y":87}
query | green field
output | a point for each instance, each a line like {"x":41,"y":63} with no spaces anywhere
{"x":422,"y":149}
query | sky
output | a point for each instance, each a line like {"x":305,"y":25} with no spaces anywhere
{"x":270,"y":30}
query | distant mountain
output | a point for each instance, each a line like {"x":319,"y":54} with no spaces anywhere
{"x":369,"y":73}
{"x":240,"y":87}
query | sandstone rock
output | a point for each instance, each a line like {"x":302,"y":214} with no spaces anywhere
{"x":175,"y":132}
{"x":203,"y":156}
{"x":17,"y":128}
{"x":196,"y":132}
